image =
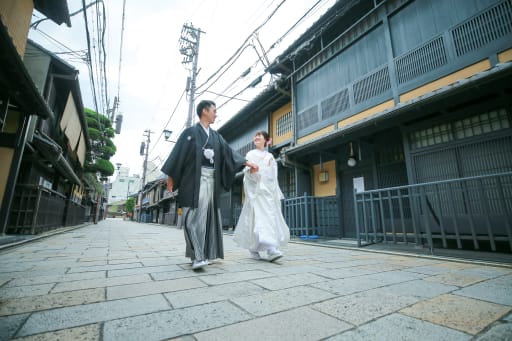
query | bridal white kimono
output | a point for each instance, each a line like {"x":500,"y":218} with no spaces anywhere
{"x":261,"y":224}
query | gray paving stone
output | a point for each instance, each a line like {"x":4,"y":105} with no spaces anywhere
{"x":56,"y":264}
{"x":244,"y":297}
{"x":290,"y":269}
{"x":212,"y":294}
{"x":364,"y":306}
{"x":102,"y":259}
{"x":344,"y":272}
{"x":232,"y":277}
{"x":173,"y":323}
{"x":50,"y":301}
{"x":90,"y":263}
{"x":56,"y":278}
{"x":348,"y":263}
{"x":297,"y":324}
{"x":100,"y":282}
{"x":143,"y":270}
{"x":498,"y":332}
{"x":75,"y":316}
{"x":288,"y":281}
{"x":162,"y":261}
{"x":419,"y":288}
{"x":24,"y":291}
{"x":90,"y":332}
{"x":9,"y":325}
{"x":154,"y":287}
{"x":486,"y":271}
{"x":274,"y":301}
{"x":430,"y":269}
{"x":160,"y":276}
{"x":508,"y":318}
{"x":251,"y":265}
{"x":14,"y":265}
{"x":411,"y":262}
{"x":38,"y":272}
{"x":400,"y":327}
{"x":351,"y":285}
{"x":107,"y":267}
{"x":497,"y":290}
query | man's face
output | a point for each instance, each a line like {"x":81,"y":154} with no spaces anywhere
{"x":210,"y":114}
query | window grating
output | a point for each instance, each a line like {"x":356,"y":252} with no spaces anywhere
{"x":481,"y":124}
{"x":372,"y":85}
{"x":308,"y":117}
{"x":468,"y":127}
{"x":246,"y":148}
{"x":422,"y":60}
{"x":335,"y":104}
{"x":492,"y":24}
{"x":284,"y":124}
{"x":431,"y":136}
{"x":286,"y":179}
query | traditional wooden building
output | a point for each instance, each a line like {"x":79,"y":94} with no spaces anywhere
{"x":401,"y":124}
{"x":32,"y":103}
{"x":158,"y":205}
{"x":50,"y":191}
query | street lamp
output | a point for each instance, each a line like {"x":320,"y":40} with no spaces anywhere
{"x":167,"y":134}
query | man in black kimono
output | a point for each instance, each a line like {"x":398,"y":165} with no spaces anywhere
{"x":199,"y":164}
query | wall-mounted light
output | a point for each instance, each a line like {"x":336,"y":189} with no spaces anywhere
{"x":351,"y":162}
{"x":323,"y":177}
{"x":167,"y":134}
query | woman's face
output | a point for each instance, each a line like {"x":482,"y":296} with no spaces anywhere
{"x":259,"y":141}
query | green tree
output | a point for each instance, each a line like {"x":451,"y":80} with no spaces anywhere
{"x":102,"y":147}
{"x":130,"y":204}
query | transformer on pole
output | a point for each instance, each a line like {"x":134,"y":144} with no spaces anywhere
{"x":189,"y":48}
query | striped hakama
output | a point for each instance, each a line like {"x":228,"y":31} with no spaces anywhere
{"x":203,"y":225}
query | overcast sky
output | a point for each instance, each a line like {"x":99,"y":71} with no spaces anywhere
{"x":152,"y":76}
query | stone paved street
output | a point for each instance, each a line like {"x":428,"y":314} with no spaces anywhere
{"x":127,"y":281}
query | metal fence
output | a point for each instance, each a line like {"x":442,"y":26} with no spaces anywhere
{"x":466,"y":213}
{"x":312,"y":217}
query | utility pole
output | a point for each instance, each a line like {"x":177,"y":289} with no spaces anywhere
{"x":144,"y":150}
{"x":189,"y":48}
{"x":147,"y":133}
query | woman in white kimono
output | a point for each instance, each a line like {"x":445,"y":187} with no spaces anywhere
{"x":261,"y":226}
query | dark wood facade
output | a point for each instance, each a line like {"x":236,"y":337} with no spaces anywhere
{"x":413,"y":91}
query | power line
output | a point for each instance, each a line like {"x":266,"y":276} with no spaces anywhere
{"x":243,"y":44}
{"x":274,"y":45}
{"x":58,"y":43}
{"x":169,"y":120}
{"x":89,"y":59}
{"x":120,"y":58}
{"x":223,"y":72}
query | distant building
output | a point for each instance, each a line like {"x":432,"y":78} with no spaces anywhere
{"x":123,"y":185}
